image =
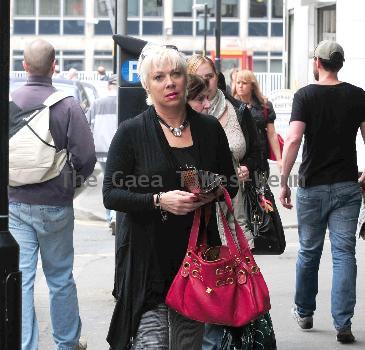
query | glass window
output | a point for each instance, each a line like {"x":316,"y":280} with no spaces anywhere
{"x":276,"y":29}
{"x":17,"y":52}
{"x":210,"y":31}
{"x":258,"y":8}
{"x":77,"y":63}
{"x":277,"y":8}
{"x":24,"y":27}
{"x":103,"y":28}
{"x":73,"y":52}
{"x":152,"y":27}
{"x":182,"y":28}
{"x":133,"y":27}
{"x":276,"y":66}
{"x":107,"y":63}
{"x":261,"y":53}
{"x":183,"y":8}
{"x":230,"y":8}
{"x":151,"y":8}
{"x":260,"y":66}
{"x":211,"y":6}
{"x":49,"y":27}
{"x":230,"y":28}
{"x":74,"y":8}
{"x":49,"y":8}
{"x":18,"y":64}
{"x":73,"y":27}
{"x":100,"y":9}
{"x":24,"y":7}
{"x":276,"y":53}
{"x":257,"y":29}
{"x":103,"y":52}
{"x":327,"y":23}
{"x":133,"y":7}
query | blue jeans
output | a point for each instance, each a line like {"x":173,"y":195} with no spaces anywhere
{"x":336,"y":207}
{"x":213,"y":335}
{"x":48,"y":229}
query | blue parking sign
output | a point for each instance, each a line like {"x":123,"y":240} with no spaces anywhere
{"x":129,"y":71}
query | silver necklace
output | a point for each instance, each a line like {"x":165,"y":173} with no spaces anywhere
{"x":175,"y":131}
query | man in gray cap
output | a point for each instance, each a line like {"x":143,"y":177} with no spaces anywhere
{"x":103,"y":120}
{"x":329,"y":114}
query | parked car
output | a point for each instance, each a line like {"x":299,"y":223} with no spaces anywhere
{"x":73,"y":87}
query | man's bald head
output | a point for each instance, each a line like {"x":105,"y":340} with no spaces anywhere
{"x":39,"y":57}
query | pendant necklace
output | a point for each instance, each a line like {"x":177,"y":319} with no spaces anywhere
{"x":175,"y":131}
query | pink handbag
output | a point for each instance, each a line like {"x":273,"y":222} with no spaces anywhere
{"x":220,"y":285}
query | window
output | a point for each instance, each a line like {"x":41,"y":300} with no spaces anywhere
{"x":49,"y":8}
{"x":152,"y":28}
{"x":266,"y":18}
{"x":49,"y":17}
{"x":24,"y":27}
{"x":24,"y":7}
{"x":133,"y":8}
{"x":151,"y":8}
{"x":103,"y":28}
{"x":133,"y":27}
{"x":103,"y":58}
{"x":17,"y":60}
{"x":49,"y":27}
{"x":101,"y":9}
{"x":74,"y":8}
{"x":182,"y":28}
{"x":258,"y":8}
{"x":183,"y":8}
{"x":73,"y":27}
{"x":257,"y":29}
{"x":230,"y":9}
{"x":327,"y":23}
{"x":277,"y":9}
{"x":264,"y":61}
{"x":73,"y":59}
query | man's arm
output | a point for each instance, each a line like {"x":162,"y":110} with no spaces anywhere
{"x":362,"y":177}
{"x":290,"y":152}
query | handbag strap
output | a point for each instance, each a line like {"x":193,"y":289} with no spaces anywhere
{"x":241,"y":238}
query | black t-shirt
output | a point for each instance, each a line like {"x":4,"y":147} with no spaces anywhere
{"x":332,"y":114}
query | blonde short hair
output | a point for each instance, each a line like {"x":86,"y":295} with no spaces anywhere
{"x":154,"y":55}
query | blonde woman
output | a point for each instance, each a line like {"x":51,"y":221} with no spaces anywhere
{"x":248,"y":91}
{"x":141,"y":180}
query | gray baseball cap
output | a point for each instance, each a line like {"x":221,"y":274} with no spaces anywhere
{"x":326,"y":48}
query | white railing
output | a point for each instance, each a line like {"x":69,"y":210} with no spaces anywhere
{"x":270,"y":82}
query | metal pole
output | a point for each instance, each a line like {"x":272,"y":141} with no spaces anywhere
{"x":218,"y":30}
{"x":10,"y":277}
{"x":115,"y":47}
{"x":205,"y":28}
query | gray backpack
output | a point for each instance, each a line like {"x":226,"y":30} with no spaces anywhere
{"x":33,"y":157}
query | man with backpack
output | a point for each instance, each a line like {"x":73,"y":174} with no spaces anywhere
{"x":50,"y":143}
{"x":329,"y":114}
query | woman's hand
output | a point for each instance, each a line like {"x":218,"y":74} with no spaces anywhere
{"x":181,"y":202}
{"x":243,"y":173}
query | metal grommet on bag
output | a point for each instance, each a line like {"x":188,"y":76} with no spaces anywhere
{"x":241,"y":277}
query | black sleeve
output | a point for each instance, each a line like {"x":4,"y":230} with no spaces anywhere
{"x":271,"y":115}
{"x":252,"y":156}
{"x":119,"y":168}
{"x":298,"y":110}
{"x":226,"y":164}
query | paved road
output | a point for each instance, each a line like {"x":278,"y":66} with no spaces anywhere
{"x":94,"y":264}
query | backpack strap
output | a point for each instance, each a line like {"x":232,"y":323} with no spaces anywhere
{"x":55,"y":97}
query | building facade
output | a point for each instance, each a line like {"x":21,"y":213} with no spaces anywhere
{"x":307,"y":22}
{"x":81,"y":30}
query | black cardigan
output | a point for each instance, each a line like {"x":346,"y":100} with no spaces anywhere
{"x":140,"y":148}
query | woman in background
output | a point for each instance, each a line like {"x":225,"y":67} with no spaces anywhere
{"x":248,"y":91}
{"x":197,"y":94}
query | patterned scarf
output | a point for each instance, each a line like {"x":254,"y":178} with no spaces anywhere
{"x":218,"y":104}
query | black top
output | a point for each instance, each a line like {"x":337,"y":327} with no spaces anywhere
{"x":262,"y":118}
{"x":332,"y":114}
{"x":185,"y":156}
{"x":149,"y":252}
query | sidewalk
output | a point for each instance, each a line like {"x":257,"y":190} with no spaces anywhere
{"x":89,"y":203}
